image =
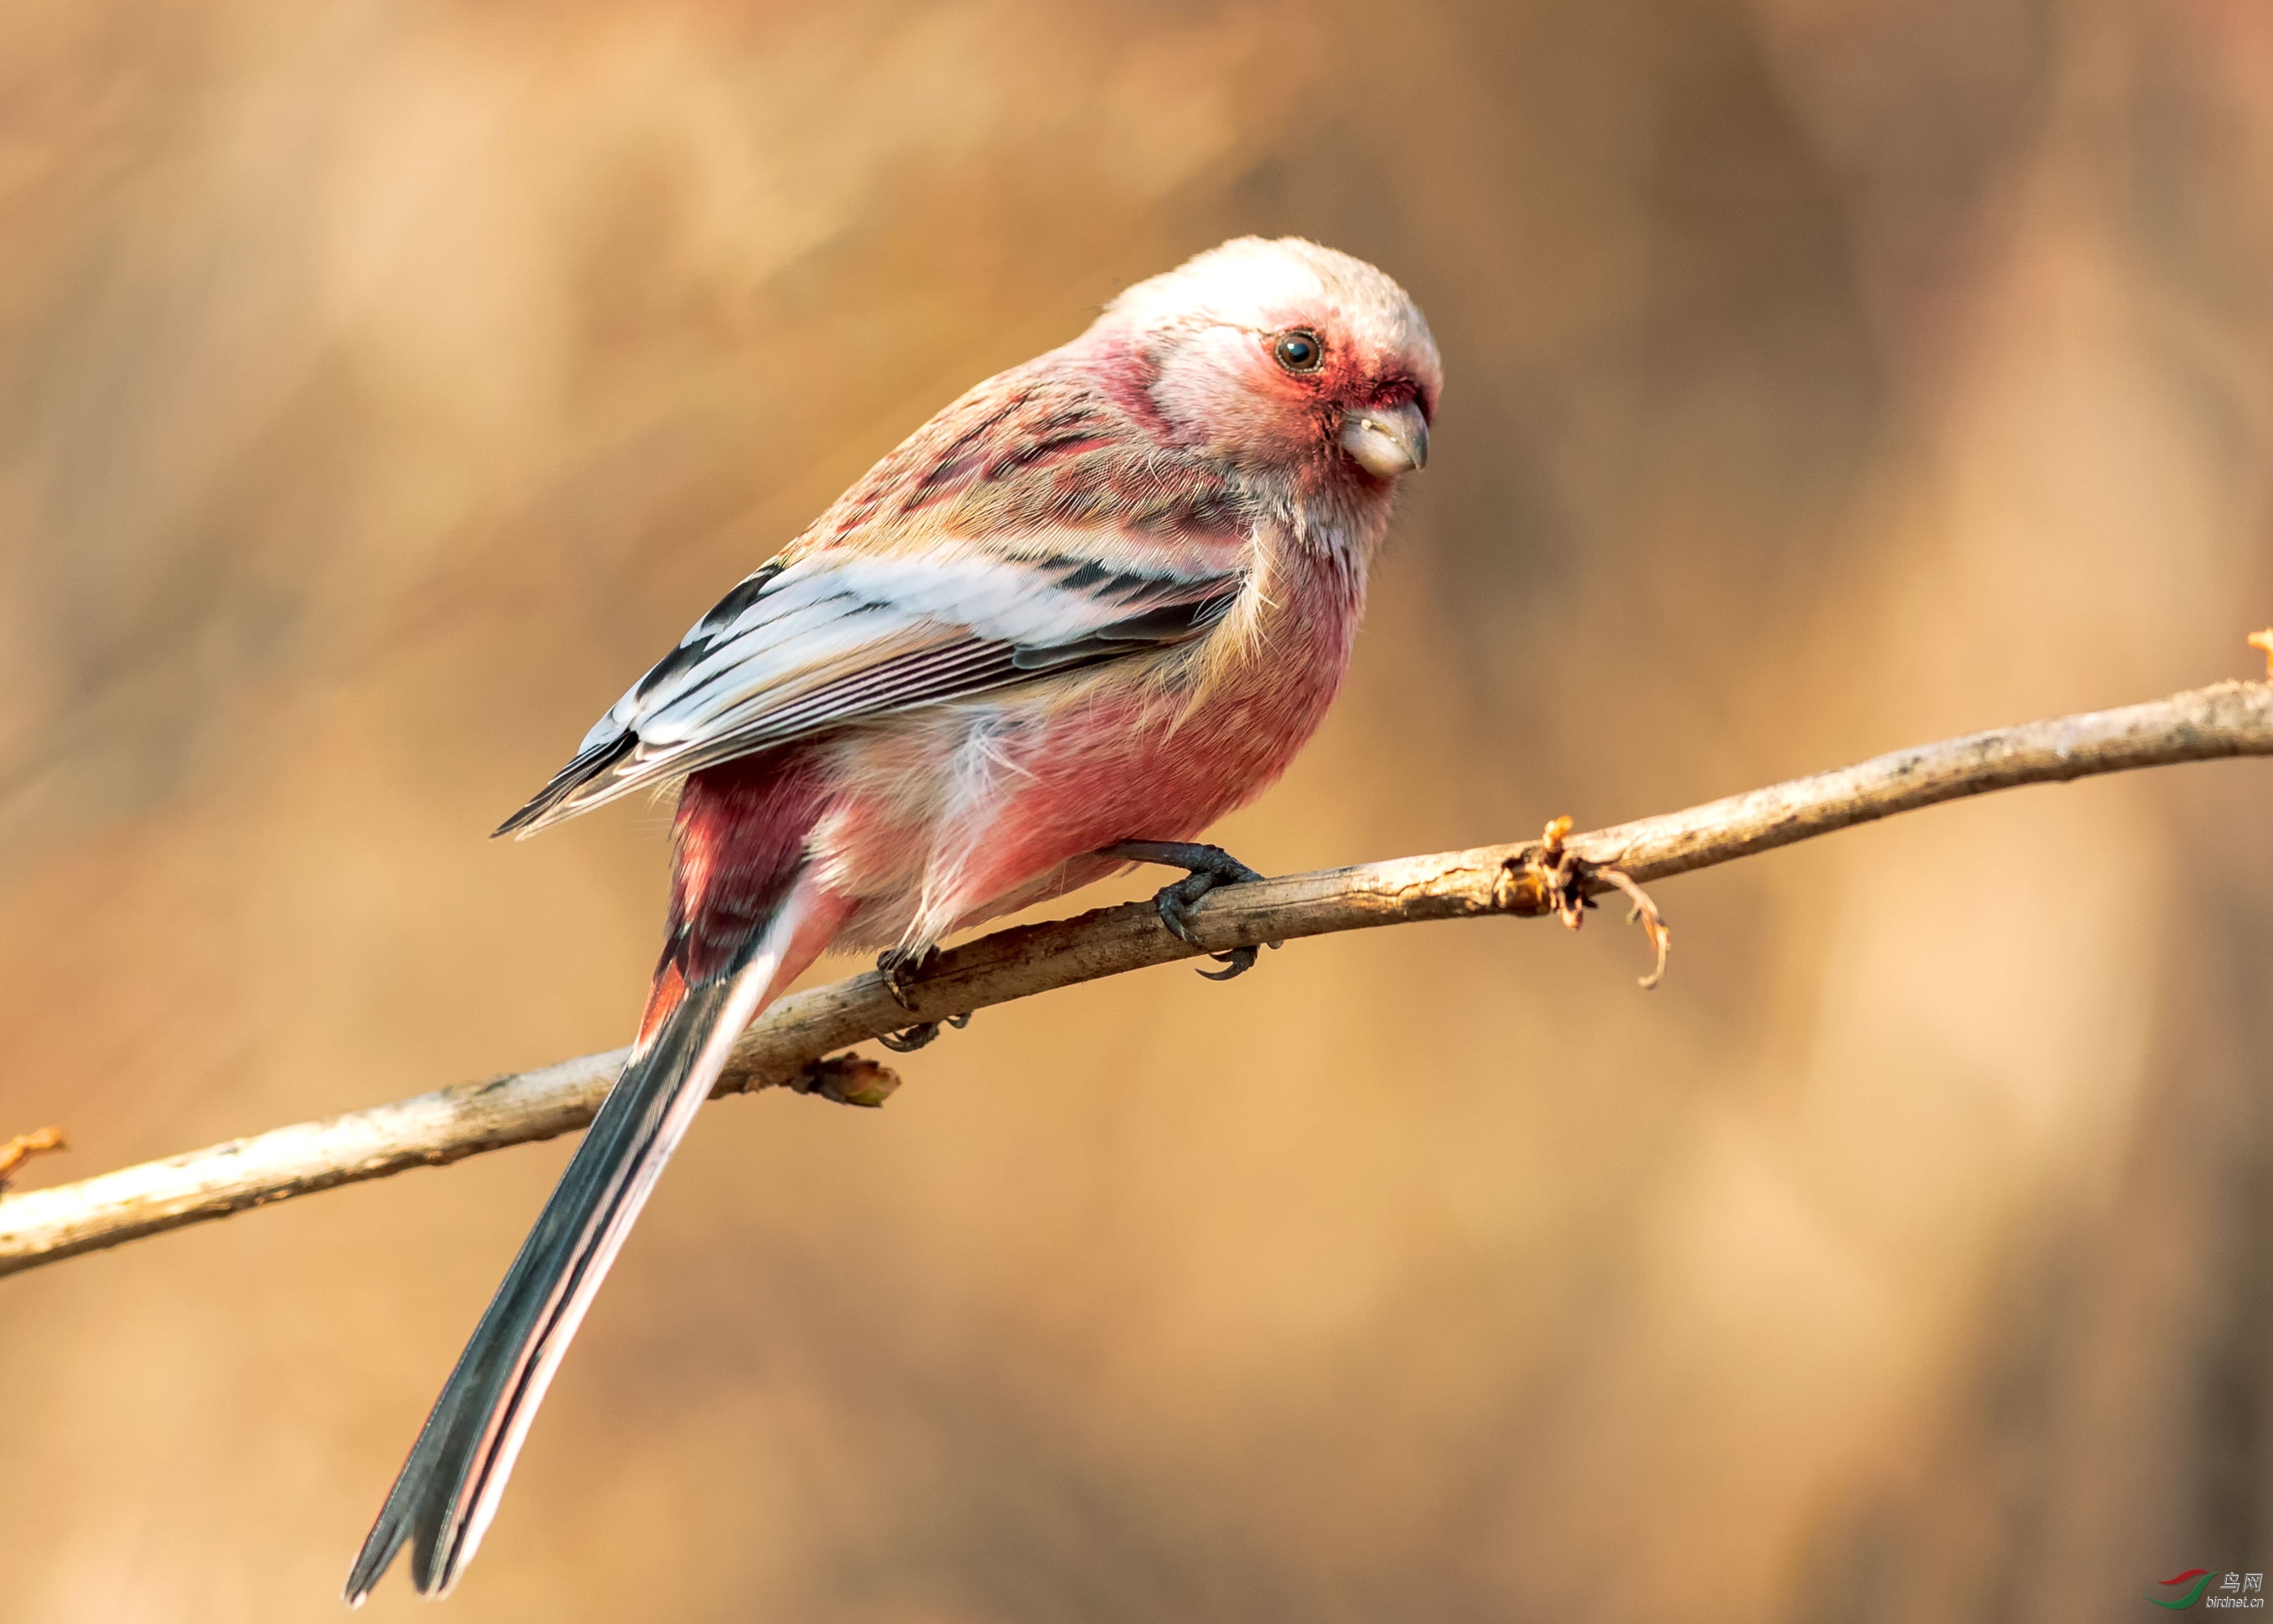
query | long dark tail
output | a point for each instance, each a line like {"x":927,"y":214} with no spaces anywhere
{"x":448,"y":1489}
{"x":736,"y":905}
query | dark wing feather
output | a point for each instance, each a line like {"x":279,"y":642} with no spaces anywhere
{"x":832,"y":639}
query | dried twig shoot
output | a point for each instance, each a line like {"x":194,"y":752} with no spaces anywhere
{"x":24,"y":1146}
{"x":1565,"y":879}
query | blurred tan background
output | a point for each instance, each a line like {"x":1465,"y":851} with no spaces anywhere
{"x":381,"y":388}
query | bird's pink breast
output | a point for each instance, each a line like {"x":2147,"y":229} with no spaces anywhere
{"x":1068,"y":772}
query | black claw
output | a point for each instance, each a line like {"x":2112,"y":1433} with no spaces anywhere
{"x":1241,"y":959}
{"x":901,"y":969}
{"x":1206,"y":867}
{"x":1176,"y":909}
{"x":907,"y":1040}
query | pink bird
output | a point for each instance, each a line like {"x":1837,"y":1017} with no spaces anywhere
{"x":1090,"y":607}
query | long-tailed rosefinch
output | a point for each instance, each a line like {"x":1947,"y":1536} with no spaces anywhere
{"x":1103,"y":597}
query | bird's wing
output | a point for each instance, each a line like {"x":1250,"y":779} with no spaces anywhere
{"x":835,"y":635}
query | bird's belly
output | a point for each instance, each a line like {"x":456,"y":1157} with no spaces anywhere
{"x":992,"y":807}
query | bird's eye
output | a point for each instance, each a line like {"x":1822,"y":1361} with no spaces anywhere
{"x":1298,"y":350}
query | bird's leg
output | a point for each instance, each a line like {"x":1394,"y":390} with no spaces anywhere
{"x":1205,"y":867}
{"x":901,"y":967}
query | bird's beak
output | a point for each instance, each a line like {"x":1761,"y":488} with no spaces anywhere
{"x":1387,"y":440}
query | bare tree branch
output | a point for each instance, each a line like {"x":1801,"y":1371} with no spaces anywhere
{"x":787,"y":1045}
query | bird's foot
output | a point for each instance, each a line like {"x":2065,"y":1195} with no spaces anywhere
{"x":1566,"y":878}
{"x":1205,"y":866}
{"x":907,"y":1040}
{"x":901,"y":969}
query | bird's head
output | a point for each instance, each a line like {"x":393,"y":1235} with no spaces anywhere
{"x":1286,"y":357}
